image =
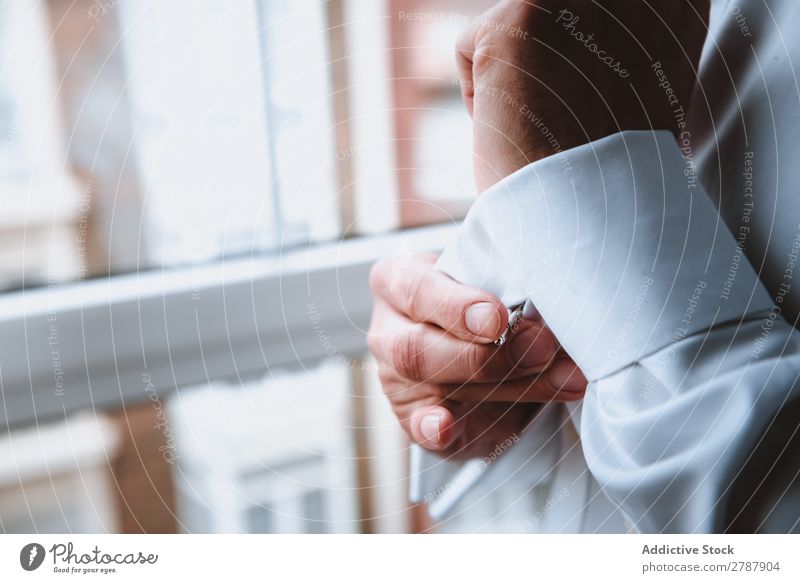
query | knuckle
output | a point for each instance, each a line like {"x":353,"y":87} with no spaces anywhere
{"x":399,"y":280}
{"x":411,"y":288}
{"x":387,"y":378}
{"x":373,"y":342}
{"x":378,"y":274}
{"x":484,"y":57}
{"x":407,"y":353}
{"x":384,"y":376}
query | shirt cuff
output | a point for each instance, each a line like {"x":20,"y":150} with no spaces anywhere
{"x":616,"y":243}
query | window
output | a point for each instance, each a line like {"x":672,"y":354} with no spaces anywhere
{"x":193,"y":194}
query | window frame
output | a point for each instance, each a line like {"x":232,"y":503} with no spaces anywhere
{"x":116,"y":341}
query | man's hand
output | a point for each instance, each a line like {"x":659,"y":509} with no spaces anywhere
{"x":540,"y":76}
{"x":452,"y":389}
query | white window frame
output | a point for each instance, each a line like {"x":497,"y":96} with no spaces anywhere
{"x":109,"y":343}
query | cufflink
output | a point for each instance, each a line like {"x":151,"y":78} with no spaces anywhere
{"x":514,"y":316}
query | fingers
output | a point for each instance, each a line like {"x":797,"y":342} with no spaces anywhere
{"x":565,"y":376}
{"x":415,"y":288}
{"x":421,"y":410}
{"x":481,"y":428}
{"x":563,"y":381}
{"x":460,"y":430}
{"x":458,"y":427}
{"x":452,"y":419}
{"x":433,"y":427}
{"x":424,"y":353}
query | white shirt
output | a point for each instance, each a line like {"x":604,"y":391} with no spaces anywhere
{"x":669,"y":272}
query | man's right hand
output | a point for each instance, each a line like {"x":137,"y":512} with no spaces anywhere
{"x":450,"y":387}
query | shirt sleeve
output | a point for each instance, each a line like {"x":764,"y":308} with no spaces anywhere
{"x":630,"y":264}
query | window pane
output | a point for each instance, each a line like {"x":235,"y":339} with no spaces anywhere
{"x":434,"y":131}
{"x":283,"y":453}
{"x":143,"y":134}
{"x":148,"y":134}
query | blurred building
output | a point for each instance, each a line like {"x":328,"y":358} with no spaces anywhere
{"x":242,"y":464}
{"x":41,"y":202}
{"x":146,"y":137}
{"x":55,"y":478}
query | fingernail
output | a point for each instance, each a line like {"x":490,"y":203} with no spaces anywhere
{"x":532,"y":347}
{"x":483,"y":319}
{"x":430,"y":428}
{"x":566,"y":378}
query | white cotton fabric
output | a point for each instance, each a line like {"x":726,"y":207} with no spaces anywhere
{"x":667,"y":271}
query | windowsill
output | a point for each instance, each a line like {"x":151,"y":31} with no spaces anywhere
{"x":101,"y":343}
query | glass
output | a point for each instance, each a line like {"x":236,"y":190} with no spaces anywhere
{"x":147,"y":135}
{"x":297,"y":451}
{"x":138,"y":135}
